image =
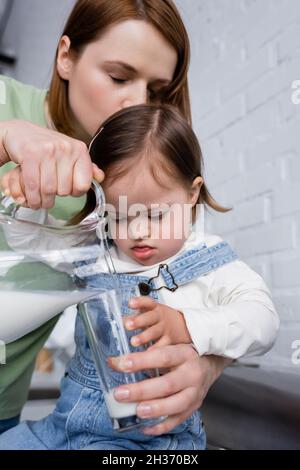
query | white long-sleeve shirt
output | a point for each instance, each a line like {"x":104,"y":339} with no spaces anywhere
{"x":228,"y":312}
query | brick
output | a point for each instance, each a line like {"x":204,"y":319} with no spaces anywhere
{"x":296,"y":218}
{"x":273,"y":237}
{"x":270,"y":25}
{"x":261,"y":265}
{"x":293,"y":168}
{"x":284,"y":140}
{"x":241,"y":77}
{"x":286,"y":199}
{"x":286,"y":271}
{"x":288,"y":110}
{"x":256,"y":127}
{"x":244,"y":215}
{"x":223,"y":117}
{"x":287,"y":306}
{"x":288,"y":43}
{"x":273,"y":83}
{"x":283,"y":349}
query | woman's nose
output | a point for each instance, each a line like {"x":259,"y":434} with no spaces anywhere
{"x":138,"y":95}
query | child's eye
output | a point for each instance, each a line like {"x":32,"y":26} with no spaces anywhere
{"x":156,"y":216}
{"x":117,"y":218}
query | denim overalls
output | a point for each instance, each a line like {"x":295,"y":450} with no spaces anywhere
{"x":80,"y":419}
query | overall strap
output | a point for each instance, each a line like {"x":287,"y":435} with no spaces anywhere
{"x":197,"y":262}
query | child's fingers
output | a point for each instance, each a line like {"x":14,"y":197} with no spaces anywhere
{"x":163,"y":341}
{"x":135,"y":322}
{"x":150,"y":334}
{"x":142,"y":302}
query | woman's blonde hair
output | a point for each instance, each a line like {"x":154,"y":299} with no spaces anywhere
{"x":88,"y":21}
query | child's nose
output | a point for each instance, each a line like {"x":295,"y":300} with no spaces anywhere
{"x":139,"y":229}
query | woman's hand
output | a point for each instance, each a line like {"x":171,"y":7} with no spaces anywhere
{"x":178,"y":393}
{"x":50,"y":164}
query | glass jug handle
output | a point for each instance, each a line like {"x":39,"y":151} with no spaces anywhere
{"x":9,"y":207}
{"x":100,"y":199}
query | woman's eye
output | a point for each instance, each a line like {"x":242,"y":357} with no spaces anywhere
{"x":153,"y":94}
{"x":118,"y":80}
{"x":157,"y":94}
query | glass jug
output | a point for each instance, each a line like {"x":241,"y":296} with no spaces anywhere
{"x":38,"y":261}
{"x":40,"y":266}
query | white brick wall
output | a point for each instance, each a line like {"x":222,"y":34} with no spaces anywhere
{"x":32,"y":33}
{"x":245,"y":56}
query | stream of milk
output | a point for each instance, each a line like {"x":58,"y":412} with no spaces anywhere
{"x":40,"y":303}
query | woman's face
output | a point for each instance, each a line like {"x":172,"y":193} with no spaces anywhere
{"x":127,"y":66}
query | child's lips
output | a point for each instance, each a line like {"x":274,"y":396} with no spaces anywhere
{"x":143,"y":252}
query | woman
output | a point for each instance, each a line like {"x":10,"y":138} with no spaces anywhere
{"x":112,"y":54}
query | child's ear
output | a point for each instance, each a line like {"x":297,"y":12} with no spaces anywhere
{"x":195,"y":190}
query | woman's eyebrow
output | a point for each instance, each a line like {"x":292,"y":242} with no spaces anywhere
{"x":132,"y":70}
{"x":121,"y":64}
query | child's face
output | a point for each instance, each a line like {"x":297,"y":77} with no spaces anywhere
{"x":149,"y":223}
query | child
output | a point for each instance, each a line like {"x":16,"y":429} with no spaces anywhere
{"x":194,"y":288}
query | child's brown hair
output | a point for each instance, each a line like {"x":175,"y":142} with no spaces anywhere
{"x":160,"y":136}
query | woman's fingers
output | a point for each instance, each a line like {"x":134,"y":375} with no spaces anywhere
{"x":82,"y":173}
{"x":11,"y":184}
{"x":175,"y":404}
{"x":98,"y":174}
{"x":167,"y":425}
{"x":177,"y":394}
{"x":31,"y":179}
{"x":15,"y":186}
{"x":48,"y":182}
{"x":49,"y":159}
{"x":157,"y":387}
{"x":64,"y":169}
{"x":167,"y":357}
{"x":163,"y":386}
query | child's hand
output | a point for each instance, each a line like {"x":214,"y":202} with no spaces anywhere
{"x":160,"y":323}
